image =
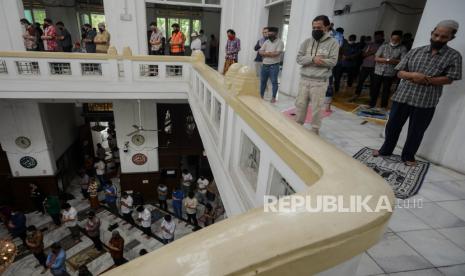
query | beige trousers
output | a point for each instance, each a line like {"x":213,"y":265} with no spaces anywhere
{"x":314,"y":91}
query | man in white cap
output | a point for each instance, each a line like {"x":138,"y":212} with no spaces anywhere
{"x":196,"y":43}
{"x":423,"y":73}
{"x":102,"y":40}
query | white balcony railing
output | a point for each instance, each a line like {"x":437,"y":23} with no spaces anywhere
{"x":250,"y":147}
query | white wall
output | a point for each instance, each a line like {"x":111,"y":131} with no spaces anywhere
{"x":11,"y":11}
{"x":126,"y":115}
{"x":24,"y":119}
{"x":443,"y":141}
{"x":60,"y":126}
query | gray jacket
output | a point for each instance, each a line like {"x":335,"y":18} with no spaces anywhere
{"x":327,"y":47}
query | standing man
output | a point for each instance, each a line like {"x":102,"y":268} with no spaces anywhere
{"x":37,"y":198}
{"x":202,"y":184}
{"x":162,"y":196}
{"x":50,"y":36}
{"x":52,"y":204}
{"x":100,"y":171}
{"x":93,"y":229}
{"x":178,"y":196}
{"x":423,"y":73}
{"x":190,"y":203}
{"x":84,"y":183}
{"x":186,"y":181}
{"x":387,"y":57}
{"x":126,"y":208}
{"x":145,"y":219}
{"x":56,"y":260}
{"x":89,"y":38}
{"x":196,"y":43}
{"x":317,"y":55}
{"x":29,"y":35}
{"x":17,"y":225}
{"x":102,"y":39}
{"x":271,"y":51}
{"x":69,"y":218}
{"x":116,"y":246}
{"x":35,"y":242}
{"x":350,"y":53}
{"x":64,"y":38}
{"x":167,"y":227}
{"x":233,"y":46}
{"x":203,"y":40}
{"x":258,"y":59}
{"x":155,"y":40}
{"x":111,"y":196}
{"x":177,"y":41}
{"x":368,"y":64}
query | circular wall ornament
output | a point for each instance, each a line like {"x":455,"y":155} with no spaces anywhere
{"x":138,"y":140}
{"x":28,"y":162}
{"x":139,"y":159}
{"x":23,"y":142}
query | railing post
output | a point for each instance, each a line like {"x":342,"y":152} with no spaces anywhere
{"x":113,"y":69}
{"x":127,"y":62}
{"x":242,"y":80}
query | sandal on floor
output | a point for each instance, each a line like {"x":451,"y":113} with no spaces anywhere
{"x":410,"y":163}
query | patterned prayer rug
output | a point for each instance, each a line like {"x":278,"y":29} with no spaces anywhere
{"x":84,"y":257}
{"x":405,"y":180}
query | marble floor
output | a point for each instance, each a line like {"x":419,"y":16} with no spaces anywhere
{"x":134,"y":238}
{"x":427,"y":239}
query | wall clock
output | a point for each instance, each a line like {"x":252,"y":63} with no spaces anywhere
{"x":23,"y":142}
{"x":28,"y":162}
{"x":139,"y":159}
{"x":138,"y":140}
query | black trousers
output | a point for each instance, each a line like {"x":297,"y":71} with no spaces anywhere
{"x":365,"y":72}
{"x":338,"y":71}
{"x":56,"y":219}
{"x":128,"y":217}
{"x":419,"y":120}
{"x":192,"y":218}
{"x":386,"y":83}
{"x":97,"y":242}
{"x":163,"y":204}
{"x":147,"y":230}
{"x":67,"y":49}
{"x":119,"y":261}
{"x":41,"y":258}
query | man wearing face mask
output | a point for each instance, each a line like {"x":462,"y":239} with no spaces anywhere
{"x":258,"y":58}
{"x":317,"y":55}
{"x":423,"y":73}
{"x":350,"y":52}
{"x":89,"y":38}
{"x":64,"y":38}
{"x":50,"y":36}
{"x":386,"y":58}
{"x":177,"y":41}
{"x":102,"y":39}
{"x":233,"y":46}
{"x":271,"y":51}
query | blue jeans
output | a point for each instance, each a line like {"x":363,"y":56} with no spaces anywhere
{"x":177,"y":208}
{"x":330,"y":92}
{"x":269,"y":71}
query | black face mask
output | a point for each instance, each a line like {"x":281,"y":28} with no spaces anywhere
{"x":317,"y":34}
{"x":437,"y":45}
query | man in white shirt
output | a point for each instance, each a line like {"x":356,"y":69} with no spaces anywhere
{"x":202,"y":184}
{"x":100,"y":171}
{"x":145,"y":219}
{"x":196,"y":43}
{"x":69,"y":218}
{"x":126,"y":208}
{"x":271,"y":52}
{"x":186,"y":181}
{"x":190,"y":203}
{"x":167,"y":227}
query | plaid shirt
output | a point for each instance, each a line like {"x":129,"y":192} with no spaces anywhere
{"x":388,"y":51}
{"x":447,"y":62}
{"x":232,"y":48}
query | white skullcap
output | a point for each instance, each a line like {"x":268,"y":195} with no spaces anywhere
{"x":449,"y":23}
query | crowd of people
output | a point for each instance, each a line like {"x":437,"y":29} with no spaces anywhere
{"x":54,"y":37}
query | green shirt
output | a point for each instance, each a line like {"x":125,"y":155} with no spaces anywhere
{"x":53,"y":205}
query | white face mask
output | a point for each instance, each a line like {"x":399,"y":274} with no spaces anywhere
{"x":394,"y":44}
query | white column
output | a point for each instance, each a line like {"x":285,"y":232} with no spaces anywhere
{"x":25,"y":119}
{"x":246,"y":18}
{"x":443,"y":141}
{"x":300,"y":28}
{"x":126,"y":23}
{"x":11,"y":11}
{"x":127,"y":114}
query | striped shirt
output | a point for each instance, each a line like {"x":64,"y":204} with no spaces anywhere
{"x":390,"y":52}
{"x":447,"y":62}
{"x":232,"y":48}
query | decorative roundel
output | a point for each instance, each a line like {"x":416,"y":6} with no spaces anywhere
{"x":138,"y":140}
{"x":28,"y":162}
{"x":23,"y":142}
{"x":139,"y":159}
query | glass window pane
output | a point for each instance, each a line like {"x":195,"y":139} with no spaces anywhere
{"x":196,"y":27}
{"x":28,"y":15}
{"x":39,"y":15}
{"x":185,"y":28}
{"x":96,"y":19}
{"x":161,"y":24}
{"x":85,"y":19}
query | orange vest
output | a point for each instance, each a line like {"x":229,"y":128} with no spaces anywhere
{"x":177,"y":39}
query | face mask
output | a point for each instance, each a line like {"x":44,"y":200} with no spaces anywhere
{"x":437,"y":44}
{"x":271,"y":37}
{"x":176,"y":30}
{"x":351,"y":42}
{"x":393,"y":44}
{"x":101,"y":30}
{"x":231,"y":37}
{"x":317,"y":34}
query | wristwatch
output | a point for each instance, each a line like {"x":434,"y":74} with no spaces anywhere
{"x":387,"y":60}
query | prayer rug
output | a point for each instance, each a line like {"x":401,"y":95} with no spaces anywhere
{"x":84,"y":257}
{"x":291,"y":113}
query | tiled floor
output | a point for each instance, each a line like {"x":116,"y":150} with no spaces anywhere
{"x":421,"y":240}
